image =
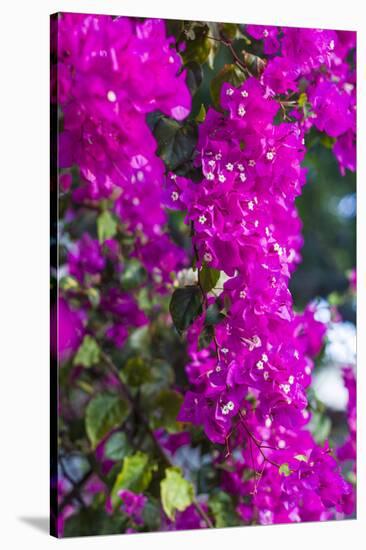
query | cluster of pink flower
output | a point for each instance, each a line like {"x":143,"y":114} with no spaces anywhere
{"x":246,"y":225}
{"x":315,"y":62}
{"x":110,"y":73}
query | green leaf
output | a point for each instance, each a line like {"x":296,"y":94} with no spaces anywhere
{"x":327,"y":141}
{"x":228,"y":30}
{"x":194,"y":76}
{"x":223,"y":510}
{"x":166,"y":408}
{"x":94,"y":296}
{"x":69,"y":283}
{"x":117,"y":446}
{"x":88,"y":353}
{"x":255,"y":64}
{"x":137,"y":372}
{"x":151,"y":515}
{"x":335,"y":299}
{"x":103,"y":413}
{"x":301,"y":458}
{"x":198,"y":46}
{"x":185,"y":306}
{"x":285,"y":469}
{"x":229,"y":73}
{"x":135,"y":475}
{"x":200,"y":117}
{"x":91,"y":522}
{"x":176,"y":142}
{"x":176,"y":492}
{"x":106,"y":226}
{"x":205,"y":337}
{"x":208,"y":278}
{"x":162,"y":377}
{"x":214,"y":314}
{"x":303,"y":99}
{"x":133,"y":275}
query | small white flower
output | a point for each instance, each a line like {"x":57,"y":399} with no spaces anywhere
{"x":218,"y":368}
{"x":210,"y":176}
{"x":241,"y":110}
{"x":251,"y":205}
{"x":244,"y":93}
{"x":256,"y":223}
{"x":264,"y":357}
{"x":202,"y":219}
{"x":173,"y":177}
{"x":225,"y":410}
{"x":111,"y":96}
{"x":276,"y":246}
{"x":331,"y":45}
{"x":266,"y":375}
{"x":291,"y":380}
{"x":222,"y":178}
{"x":218,"y":156}
{"x":348,"y":87}
{"x":251,"y":162}
{"x":229,"y":167}
{"x":285,"y":387}
{"x":230,"y":405}
{"x":265,"y":33}
{"x":240,"y":167}
{"x":211,"y":162}
{"x":270,"y":155}
{"x":224,"y":350}
{"x":268,"y":422}
{"x":243,"y":177}
{"x":260,"y":365}
{"x":296,"y":354}
{"x":229,"y":91}
{"x":256,"y":341}
{"x":175,"y":196}
{"x":207,"y":257}
{"x":243,"y":294}
{"x":282,"y":444}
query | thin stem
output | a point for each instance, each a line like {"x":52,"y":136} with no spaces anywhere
{"x":229,"y":45}
{"x":257,"y":443}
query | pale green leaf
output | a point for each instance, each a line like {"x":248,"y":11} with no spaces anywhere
{"x":88,"y":353}
{"x":103,"y":413}
{"x":135,"y":475}
{"x":176,"y":492}
{"x":106,"y":226}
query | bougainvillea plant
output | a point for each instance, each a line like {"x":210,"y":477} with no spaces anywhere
{"x":182,"y":364}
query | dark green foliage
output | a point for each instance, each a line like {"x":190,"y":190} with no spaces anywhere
{"x":185,"y":306}
{"x":176,"y":142}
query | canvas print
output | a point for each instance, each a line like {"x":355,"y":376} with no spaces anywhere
{"x":203,"y":281}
